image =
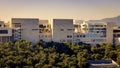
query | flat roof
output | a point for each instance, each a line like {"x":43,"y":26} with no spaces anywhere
{"x":102,"y":63}
{"x":26,"y":18}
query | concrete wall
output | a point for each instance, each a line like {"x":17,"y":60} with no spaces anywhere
{"x":29,"y":28}
{"x":61,"y":29}
{"x":109,"y":37}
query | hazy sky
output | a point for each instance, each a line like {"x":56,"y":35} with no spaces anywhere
{"x":46,"y":9}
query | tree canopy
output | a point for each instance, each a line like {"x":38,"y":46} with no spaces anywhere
{"x":21,"y":54}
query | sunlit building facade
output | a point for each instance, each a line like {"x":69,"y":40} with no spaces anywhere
{"x":45,"y":31}
{"x":94,"y":33}
{"x":116,"y":35}
{"x":59,"y":30}
{"x":5,"y":32}
{"x":62,"y":30}
{"x":25,"y":29}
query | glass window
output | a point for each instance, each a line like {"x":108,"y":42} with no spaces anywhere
{"x":116,"y":31}
{"x":69,"y":36}
{"x":61,"y":29}
{"x":3,"y":31}
{"x":83,"y":35}
{"x":42,"y":26}
{"x":77,"y":35}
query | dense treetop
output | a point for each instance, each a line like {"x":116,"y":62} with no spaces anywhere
{"x":21,"y":54}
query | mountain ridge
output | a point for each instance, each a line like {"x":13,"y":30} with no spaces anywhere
{"x":115,"y":20}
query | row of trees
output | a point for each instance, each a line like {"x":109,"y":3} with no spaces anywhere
{"x":22,"y":54}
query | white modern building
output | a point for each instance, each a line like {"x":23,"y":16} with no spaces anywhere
{"x":45,"y":32}
{"x":25,"y":29}
{"x":59,"y":30}
{"x":116,"y":35}
{"x":62,"y":30}
{"x":94,"y":33}
{"x":5,"y":32}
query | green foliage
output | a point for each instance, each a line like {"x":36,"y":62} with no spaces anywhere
{"x":22,"y":54}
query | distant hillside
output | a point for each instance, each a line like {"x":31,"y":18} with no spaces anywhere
{"x":113,"y":19}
